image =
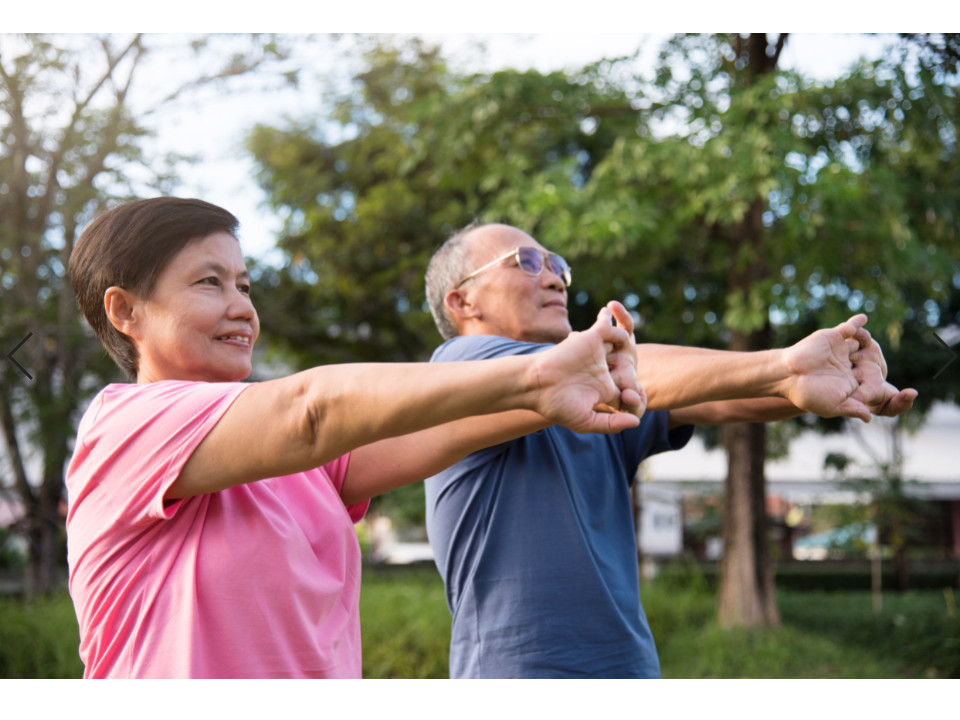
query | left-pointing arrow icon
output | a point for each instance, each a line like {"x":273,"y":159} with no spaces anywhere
{"x":13,"y":360}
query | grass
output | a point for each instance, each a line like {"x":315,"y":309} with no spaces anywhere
{"x":406,"y":630}
{"x":404,"y":623}
{"x":39,"y":640}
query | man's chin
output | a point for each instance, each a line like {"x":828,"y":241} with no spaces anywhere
{"x":548,"y":335}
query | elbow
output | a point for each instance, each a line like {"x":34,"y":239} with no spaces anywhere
{"x":312,"y":419}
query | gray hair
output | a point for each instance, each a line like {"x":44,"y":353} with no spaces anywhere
{"x":445,"y":270}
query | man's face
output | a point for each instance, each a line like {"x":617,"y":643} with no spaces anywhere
{"x":509,"y":302}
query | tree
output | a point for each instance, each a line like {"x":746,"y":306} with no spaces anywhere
{"x":409,"y":155}
{"x":779,"y":204}
{"x":72,"y":142}
{"x":727,"y":202}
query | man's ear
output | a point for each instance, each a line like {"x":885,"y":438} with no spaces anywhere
{"x":461,"y":307}
{"x":121,"y":307}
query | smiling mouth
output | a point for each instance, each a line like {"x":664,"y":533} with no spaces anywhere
{"x":235,"y":338}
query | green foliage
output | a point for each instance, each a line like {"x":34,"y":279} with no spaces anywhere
{"x":717,"y":199}
{"x":413,"y":153}
{"x":405,"y":624}
{"x":39,"y":639}
{"x":847,"y":189}
{"x":824,"y":635}
{"x":920,"y":629}
{"x":406,"y":632}
{"x":405,"y":506}
{"x":73,"y":142}
{"x":857,"y":179}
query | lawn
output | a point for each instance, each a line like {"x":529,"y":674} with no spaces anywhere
{"x":406,"y":628}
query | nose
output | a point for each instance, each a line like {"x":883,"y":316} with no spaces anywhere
{"x":241,"y":306}
{"x":551,"y":279}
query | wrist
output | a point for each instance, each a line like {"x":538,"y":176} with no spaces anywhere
{"x":782,"y":374}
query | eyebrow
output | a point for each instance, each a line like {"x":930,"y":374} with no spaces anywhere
{"x":219,"y":269}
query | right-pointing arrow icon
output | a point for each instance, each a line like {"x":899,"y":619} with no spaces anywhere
{"x":950,"y":361}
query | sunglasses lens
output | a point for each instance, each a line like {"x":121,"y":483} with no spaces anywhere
{"x":529,"y":260}
{"x":559,"y":267}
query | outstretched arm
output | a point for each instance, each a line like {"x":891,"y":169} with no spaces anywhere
{"x":815,"y":375}
{"x":393,"y":462}
{"x":831,"y":373}
{"x":300,"y":422}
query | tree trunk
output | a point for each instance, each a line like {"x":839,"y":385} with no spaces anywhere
{"x":740,"y":600}
{"x":747,"y":596}
{"x":747,"y":593}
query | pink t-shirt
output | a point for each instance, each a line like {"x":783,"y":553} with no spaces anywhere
{"x":259,"y":580}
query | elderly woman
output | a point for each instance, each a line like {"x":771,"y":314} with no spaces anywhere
{"x":210,"y":525}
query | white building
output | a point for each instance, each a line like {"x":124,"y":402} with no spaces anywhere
{"x":931,"y":465}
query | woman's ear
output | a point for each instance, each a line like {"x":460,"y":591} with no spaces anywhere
{"x":121,"y":308}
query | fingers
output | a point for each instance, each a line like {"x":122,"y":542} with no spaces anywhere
{"x":602,"y":407}
{"x":855,"y":409}
{"x":852,"y":346}
{"x":634,"y":401}
{"x":870,"y":350}
{"x":622,"y":317}
{"x":613,"y":336}
{"x":899,"y":402}
{"x":608,"y":423}
{"x":603,"y":321}
{"x":852,"y":325}
{"x":902,"y":401}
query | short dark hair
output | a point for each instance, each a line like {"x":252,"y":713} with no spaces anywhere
{"x":128,"y":247}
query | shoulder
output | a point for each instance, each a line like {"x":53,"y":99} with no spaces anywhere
{"x":167,"y":392}
{"x":484,"y":347}
{"x":122,"y":408}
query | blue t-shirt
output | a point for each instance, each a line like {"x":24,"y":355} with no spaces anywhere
{"x":536,"y":544}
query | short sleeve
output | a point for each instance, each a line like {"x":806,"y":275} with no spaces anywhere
{"x":336,"y":470}
{"x":484,"y":347}
{"x":135,"y":440}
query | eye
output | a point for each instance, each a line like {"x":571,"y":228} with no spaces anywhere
{"x":530,"y":262}
{"x":212,"y":280}
{"x":245,"y":289}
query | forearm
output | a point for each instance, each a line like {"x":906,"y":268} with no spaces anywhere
{"x":398,"y":461}
{"x":676,"y":376}
{"x":371,"y":403}
{"x":300,"y":422}
{"x":303,"y":421}
{"x":729,"y":411}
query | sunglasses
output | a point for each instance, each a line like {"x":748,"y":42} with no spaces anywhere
{"x":531,"y":261}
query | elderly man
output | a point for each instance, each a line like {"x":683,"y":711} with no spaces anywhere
{"x":534,"y":537}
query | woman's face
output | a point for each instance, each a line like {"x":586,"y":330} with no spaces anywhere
{"x":199,"y":323}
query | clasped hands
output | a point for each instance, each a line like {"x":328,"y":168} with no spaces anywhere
{"x":841,"y":372}
{"x":589,"y":382}
{"x":833,"y":372}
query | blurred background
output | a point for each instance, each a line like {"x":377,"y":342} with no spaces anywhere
{"x":732,"y":190}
